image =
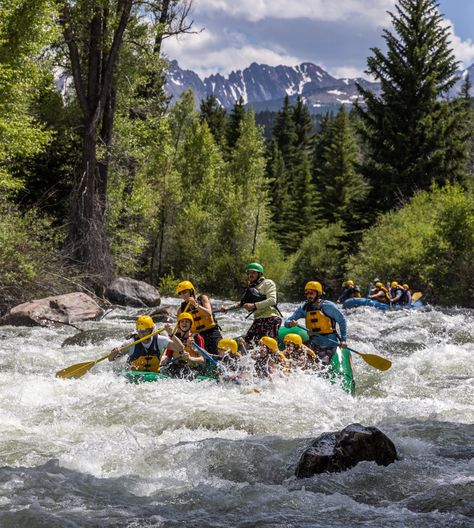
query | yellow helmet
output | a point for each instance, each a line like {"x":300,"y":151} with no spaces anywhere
{"x":348,"y":283}
{"x":394,"y":284}
{"x":184,"y":285}
{"x":293,"y":338}
{"x":228,"y":344}
{"x":185,"y":315}
{"x":315,"y":286}
{"x":269,"y":342}
{"x":406,"y":286}
{"x":144,"y":322}
{"x":378,"y":285}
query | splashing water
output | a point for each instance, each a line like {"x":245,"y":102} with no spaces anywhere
{"x":99,"y":451}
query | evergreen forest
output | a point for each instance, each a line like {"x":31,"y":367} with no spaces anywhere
{"x":102,"y":176}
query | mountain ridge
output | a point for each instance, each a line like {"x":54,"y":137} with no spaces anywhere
{"x":265,"y":87}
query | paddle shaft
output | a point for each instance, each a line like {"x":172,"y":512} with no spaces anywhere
{"x":79,"y":369}
{"x":230,"y":309}
{"x":373,"y":360}
{"x":205,"y":354}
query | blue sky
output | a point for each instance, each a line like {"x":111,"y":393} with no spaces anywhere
{"x":335,"y":34}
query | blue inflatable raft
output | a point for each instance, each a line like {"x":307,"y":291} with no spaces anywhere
{"x":355,"y":302}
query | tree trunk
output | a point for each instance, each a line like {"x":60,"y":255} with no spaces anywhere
{"x":88,"y":225}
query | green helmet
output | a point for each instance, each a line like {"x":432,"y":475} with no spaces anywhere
{"x":254,"y":266}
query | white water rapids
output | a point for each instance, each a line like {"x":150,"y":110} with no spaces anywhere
{"x":99,"y":451}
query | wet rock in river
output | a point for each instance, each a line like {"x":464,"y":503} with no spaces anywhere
{"x":341,"y":450}
{"x":60,"y":309}
{"x":89,"y":337}
{"x":131,"y":292}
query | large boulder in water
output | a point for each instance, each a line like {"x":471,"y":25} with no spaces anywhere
{"x":341,"y":450}
{"x":164,"y":314}
{"x":131,"y":292}
{"x":68,"y":308}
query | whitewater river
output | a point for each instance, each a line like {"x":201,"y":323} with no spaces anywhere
{"x":100,"y":452}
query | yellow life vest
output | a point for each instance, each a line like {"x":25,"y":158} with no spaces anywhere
{"x":318,"y":322}
{"x":387,"y":295}
{"x":354,"y":294}
{"x":146,"y":363}
{"x":201,"y":320}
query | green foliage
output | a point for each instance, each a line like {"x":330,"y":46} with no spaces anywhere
{"x":342,"y":189}
{"x":233,"y":126}
{"x":428,"y":242}
{"x":26,"y":27}
{"x":320,"y":258}
{"x":216,"y":119}
{"x":413,"y":136}
{"x":448,"y":265}
{"x":27,"y":247}
{"x":295,"y":199}
{"x":167,"y":285}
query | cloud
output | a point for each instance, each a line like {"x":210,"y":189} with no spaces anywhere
{"x":350,"y":72}
{"x":209,"y":55}
{"x":463,"y":49}
{"x":327,"y":10}
{"x":336,"y":35}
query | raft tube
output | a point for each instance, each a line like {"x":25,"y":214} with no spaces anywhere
{"x":341,"y":370}
{"x":140,"y":376}
{"x":355,"y":302}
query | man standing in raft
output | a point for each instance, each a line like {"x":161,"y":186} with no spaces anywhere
{"x":321,"y":317}
{"x":260,"y":299}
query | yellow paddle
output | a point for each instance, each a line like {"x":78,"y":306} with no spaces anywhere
{"x":79,"y":369}
{"x":373,"y":360}
{"x":416,"y":296}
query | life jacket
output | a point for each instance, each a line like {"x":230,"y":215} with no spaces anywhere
{"x":201,"y":321}
{"x":317,"y":321}
{"x":146,"y":359}
{"x":187,"y":347}
{"x":354,"y":291}
{"x":386,"y":299}
{"x":252,"y":294}
{"x":403,"y":297}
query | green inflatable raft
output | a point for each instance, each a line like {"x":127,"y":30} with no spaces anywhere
{"x":140,"y":376}
{"x":340,"y":368}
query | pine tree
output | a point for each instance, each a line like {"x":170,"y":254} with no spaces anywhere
{"x":303,"y":125}
{"x":412,"y":134}
{"x":343,"y":190}
{"x":467,"y":102}
{"x":235,"y":119}
{"x":215,"y":116}
{"x":284,"y":132}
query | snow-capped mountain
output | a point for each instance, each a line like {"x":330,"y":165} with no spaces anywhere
{"x":265,"y":87}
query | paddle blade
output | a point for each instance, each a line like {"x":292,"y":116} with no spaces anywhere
{"x":79,"y":369}
{"x":416,"y":296}
{"x":375,"y":361}
{"x":75,"y":371}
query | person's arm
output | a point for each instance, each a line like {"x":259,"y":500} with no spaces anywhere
{"x":205,"y":307}
{"x":117,"y":353}
{"x":175,"y":344}
{"x":270,"y":290}
{"x":299,"y":313}
{"x":343,"y":296}
{"x":332,"y":311}
{"x":166,"y":357}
